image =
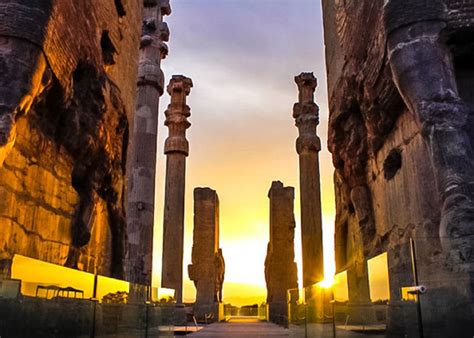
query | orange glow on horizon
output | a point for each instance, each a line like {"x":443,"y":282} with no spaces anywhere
{"x":244,"y":221}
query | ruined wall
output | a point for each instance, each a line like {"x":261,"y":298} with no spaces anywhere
{"x":281,"y":272}
{"x":67,"y":90}
{"x":208,"y":266}
{"x":400,"y":131}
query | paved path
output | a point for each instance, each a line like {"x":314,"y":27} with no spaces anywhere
{"x":242,"y":327}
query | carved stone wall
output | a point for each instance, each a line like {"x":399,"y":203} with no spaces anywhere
{"x":400,"y":131}
{"x":68,"y":74}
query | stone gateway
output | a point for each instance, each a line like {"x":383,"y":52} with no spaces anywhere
{"x":67,"y":93}
{"x":400,"y":132}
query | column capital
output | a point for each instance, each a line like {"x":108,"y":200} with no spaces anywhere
{"x":306,"y":114}
{"x":177,"y":115}
{"x":307,"y":84}
{"x":179,"y":83}
{"x":164,"y":5}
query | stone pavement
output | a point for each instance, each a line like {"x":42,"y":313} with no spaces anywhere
{"x":242,"y":327}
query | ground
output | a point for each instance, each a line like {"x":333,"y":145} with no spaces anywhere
{"x":243,"y":327}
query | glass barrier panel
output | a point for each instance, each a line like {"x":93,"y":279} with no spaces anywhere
{"x":45,"y":300}
{"x":319,"y":310}
{"x":263,"y":312}
{"x":121,"y":308}
{"x":45,"y":280}
{"x":340,"y":300}
{"x":444,"y":286}
{"x":402,"y":317}
{"x":161,"y":319}
{"x":340,"y":288}
{"x":378,"y":279}
{"x":163,"y":295}
{"x":361,"y":296}
{"x":163,"y":314}
{"x":296,"y":313}
{"x":230,"y":310}
{"x":56,"y":301}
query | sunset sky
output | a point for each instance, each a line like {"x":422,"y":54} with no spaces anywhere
{"x":242,"y":56}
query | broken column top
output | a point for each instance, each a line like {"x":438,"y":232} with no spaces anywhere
{"x":306,"y":110}
{"x":307,"y":84}
{"x":278,"y":187}
{"x":205,"y":194}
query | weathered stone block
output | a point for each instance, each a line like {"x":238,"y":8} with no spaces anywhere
{"x":280,"y":268}
{"x":208,"y":267}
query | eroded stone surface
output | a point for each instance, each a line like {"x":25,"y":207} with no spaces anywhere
{"x":308,"y":145}
{"x":67,"y":89}
{"x":176,"y":150}
{"x":143,"y":147}
{"x":280,"y":269}
{"x":401,"y":137}
{"x":208,"y":266}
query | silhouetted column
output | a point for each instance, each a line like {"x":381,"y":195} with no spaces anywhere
{"x":208,"y":266}
{"x":308,"y":145}
{"x":176,"y":150}
{"x":280,"y":269}
{"x":143,"y":151}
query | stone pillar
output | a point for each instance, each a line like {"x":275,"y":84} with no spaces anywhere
{"x":308,"y":145}
{"x":280,"y":269}
{"x":142,"y":160}
{"x":176,"y":150}
{"x":208,"y":266}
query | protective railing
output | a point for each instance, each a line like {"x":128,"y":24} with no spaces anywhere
{"x":422,"y":287}
{"x":259,"y":311}
{"x":47,"y":300}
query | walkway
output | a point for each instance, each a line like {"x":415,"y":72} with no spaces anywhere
{"x":246,"y":327}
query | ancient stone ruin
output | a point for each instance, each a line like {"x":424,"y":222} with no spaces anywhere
{"x":67,"y":96}
{"x":308,"y":146}
{"x":176,"y":150}
{"x":143,"y":148}
{"x":208,"y":267}
{"x":401,"y":116}
{"x":281,"y":273}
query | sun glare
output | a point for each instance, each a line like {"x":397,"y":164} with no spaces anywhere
{"x":327,"y":283}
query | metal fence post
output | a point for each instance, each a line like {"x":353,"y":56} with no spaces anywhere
{"x":416,"y":281}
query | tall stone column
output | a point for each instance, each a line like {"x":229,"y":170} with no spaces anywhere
{"x":176,"y":150}
{"x":280,"y":269}
{"x":208,"y":267}
{"x":308,"y":145}
{"x":143,"y":151}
